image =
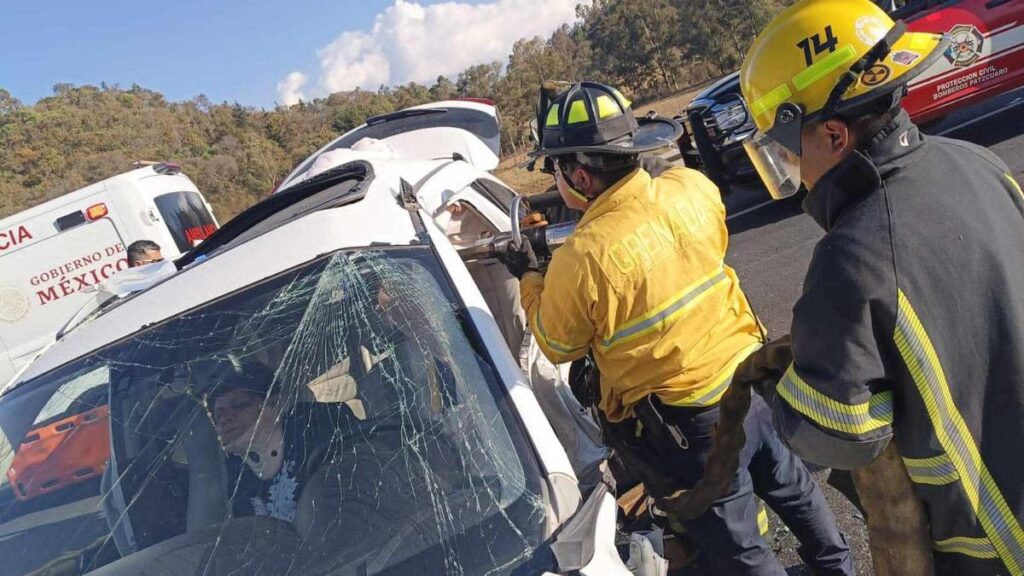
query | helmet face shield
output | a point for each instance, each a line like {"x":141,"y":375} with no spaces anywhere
{"x":778,"y":166}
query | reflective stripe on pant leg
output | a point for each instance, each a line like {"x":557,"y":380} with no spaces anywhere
{"x":729,"y":534}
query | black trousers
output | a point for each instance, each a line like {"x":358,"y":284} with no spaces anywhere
{"x":727,"y":534}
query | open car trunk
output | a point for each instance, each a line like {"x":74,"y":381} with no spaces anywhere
{"x":467,"y":129}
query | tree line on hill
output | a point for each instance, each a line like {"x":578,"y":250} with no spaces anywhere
{"x":236,"y":154}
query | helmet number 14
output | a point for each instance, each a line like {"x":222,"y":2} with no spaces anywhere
{"x":814,"y":45}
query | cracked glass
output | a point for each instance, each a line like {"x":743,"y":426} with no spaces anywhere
{"x":339,"y":418}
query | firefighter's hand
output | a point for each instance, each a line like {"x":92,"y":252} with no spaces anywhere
{"x":520,"y":260}
{"x":723,"y":460}
{"x":764,"y":368}
{"x":532,"y":220}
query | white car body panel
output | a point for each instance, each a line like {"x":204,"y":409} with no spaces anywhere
{"x":264,"y":256}
{"x":438,"y":193}
{"x":549,"y":450}
{"x":606,"y":561}
{"x":429,"y":143}
{"x":377,"y":218}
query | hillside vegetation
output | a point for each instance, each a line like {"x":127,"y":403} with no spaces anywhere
{"x":236,"y":154}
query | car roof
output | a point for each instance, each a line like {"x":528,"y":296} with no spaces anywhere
{"x":354,"y":205}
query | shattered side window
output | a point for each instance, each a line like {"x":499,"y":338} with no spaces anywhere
{"x":336,"y":419}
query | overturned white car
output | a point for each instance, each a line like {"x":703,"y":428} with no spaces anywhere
{"x":324,"y":387}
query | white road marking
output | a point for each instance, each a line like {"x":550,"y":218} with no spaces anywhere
{"x":749,"y":210}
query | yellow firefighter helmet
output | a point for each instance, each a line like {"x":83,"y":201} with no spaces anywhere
{"x":817,"y":60}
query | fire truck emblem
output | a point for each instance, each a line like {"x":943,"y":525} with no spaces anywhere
{"x":13,"y":304}
{"x":966,"y":46}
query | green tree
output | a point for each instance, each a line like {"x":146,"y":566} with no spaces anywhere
{"x":236,"y":154}
{"x":443,"y":89}
{"x":480,"y":81}
{"x":635,"y":42}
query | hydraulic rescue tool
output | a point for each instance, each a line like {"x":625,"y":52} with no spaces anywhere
{"x":544,"y":238}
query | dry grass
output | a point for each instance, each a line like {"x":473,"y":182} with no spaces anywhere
{"x":670,"y":106}
{"x":513,"y":172}
{"x":522,"y":180}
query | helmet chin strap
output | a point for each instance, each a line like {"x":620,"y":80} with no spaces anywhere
{"x":572,"y":188}
{"x":577,"y":195}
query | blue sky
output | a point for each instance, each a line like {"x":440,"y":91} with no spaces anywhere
{"x":228,"y":50}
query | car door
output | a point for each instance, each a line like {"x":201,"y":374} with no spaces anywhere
{"x":985,"y":57}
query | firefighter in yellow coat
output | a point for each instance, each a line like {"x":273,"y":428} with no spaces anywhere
{"x":642,"y":285}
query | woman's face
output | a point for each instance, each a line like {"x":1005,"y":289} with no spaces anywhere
{"x":235,"y":415}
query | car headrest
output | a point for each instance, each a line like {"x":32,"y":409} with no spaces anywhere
{"x":403,"y":385}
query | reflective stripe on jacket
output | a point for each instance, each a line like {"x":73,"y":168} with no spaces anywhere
{"x":642,"y":282}
{"x":911,"y":326}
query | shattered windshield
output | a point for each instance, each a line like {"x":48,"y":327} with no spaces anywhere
{"x":335,"y":419}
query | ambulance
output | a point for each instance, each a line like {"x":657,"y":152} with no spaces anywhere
{"x":54,"y":256}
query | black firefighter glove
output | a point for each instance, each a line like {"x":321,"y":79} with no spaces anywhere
{"x":520,"y":260}
{"x":622,"y":438}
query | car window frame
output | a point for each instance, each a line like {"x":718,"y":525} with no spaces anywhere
{"x":534,"y":470}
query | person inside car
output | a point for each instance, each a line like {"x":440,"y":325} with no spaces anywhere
{"x":272,"y":448}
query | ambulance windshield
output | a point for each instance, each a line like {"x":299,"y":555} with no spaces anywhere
{"x":186,"y":217}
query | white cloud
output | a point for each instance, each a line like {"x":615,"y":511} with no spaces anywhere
{"x":410,"y":41}
{"x":290,"y":89}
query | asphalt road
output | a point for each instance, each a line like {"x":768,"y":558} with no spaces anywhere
{"x":771,"y":245}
